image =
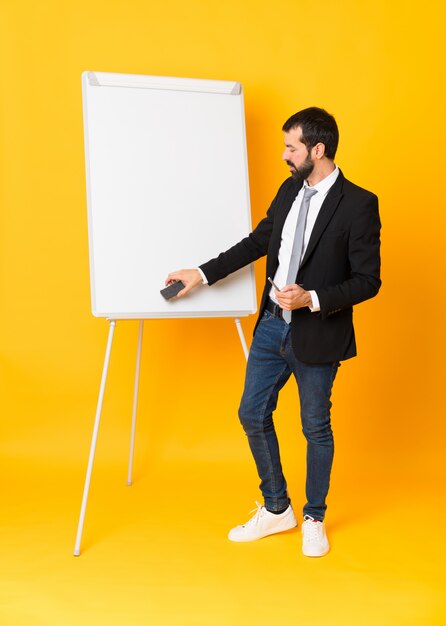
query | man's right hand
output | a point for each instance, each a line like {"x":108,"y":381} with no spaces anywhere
{"x":191,"y":278}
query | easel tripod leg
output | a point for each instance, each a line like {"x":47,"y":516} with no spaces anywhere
{"x":135,"y":402}
{"x":77,"y":547}
{"x":242,"y":337}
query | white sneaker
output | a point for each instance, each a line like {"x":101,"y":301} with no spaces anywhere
{"x":314,"y":538}
{"x":263,"y":523}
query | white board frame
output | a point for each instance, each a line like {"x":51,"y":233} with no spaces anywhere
{"x":233,"y":297}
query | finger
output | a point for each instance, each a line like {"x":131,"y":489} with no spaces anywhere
{"x":289,"y":288}
{"x":286,"y":303}
{"x":174,"y":276}
{"x":188,"y":287}
{"x":286,"y":289}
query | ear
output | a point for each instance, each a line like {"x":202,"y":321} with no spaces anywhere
{"x":318,"y":151}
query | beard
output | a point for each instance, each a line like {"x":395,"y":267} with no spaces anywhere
{"x":302,"y":172}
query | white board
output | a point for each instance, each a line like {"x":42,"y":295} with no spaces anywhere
{"x":167,"y":189}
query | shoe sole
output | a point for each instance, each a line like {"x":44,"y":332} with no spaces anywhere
{"x":316,"y":555}
{"x":273,"y":531}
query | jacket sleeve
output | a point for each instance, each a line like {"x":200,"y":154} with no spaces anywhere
{"x":364,"y":261}
{"x":249,"y":249}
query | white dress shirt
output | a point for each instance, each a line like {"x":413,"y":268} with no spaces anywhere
{"x":289,"y":229}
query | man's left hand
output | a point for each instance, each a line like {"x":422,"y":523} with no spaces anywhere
{"x":293,"y":297}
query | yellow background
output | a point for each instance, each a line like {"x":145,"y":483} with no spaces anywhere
{"x":157,"y":553}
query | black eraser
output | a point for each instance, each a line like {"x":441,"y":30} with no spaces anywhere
{"x":172,"y":290}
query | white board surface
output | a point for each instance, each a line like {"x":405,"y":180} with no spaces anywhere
{"x":167,"y":189}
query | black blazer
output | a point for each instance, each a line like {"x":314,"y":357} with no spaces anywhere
{"x":341,"y":263}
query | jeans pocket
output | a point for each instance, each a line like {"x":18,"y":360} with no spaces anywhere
{"x":266,"y":316}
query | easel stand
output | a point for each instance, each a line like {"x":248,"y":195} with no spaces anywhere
{"x":77,"y":547}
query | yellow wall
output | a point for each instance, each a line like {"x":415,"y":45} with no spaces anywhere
{"x":378,"y":67}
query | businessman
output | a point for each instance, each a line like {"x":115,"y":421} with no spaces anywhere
{"x":321,"y":236}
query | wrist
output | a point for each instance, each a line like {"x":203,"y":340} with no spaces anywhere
{"x":202,"y":275}
{"x":307,"y":299}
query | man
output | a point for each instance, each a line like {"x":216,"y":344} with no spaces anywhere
{"x":321,"y":238}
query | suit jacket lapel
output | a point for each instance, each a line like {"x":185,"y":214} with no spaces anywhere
{"x":327,"y":209}
{"x":288,"y":203}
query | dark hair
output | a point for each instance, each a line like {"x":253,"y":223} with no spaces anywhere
{"x":317,"y":126}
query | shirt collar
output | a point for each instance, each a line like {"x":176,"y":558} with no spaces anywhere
{"x":324,"y":185}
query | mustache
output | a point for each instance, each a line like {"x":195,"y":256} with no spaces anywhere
{"x":290,"y":164}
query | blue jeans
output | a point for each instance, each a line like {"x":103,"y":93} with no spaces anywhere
{"x":271,"y":362}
